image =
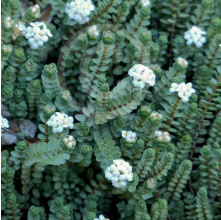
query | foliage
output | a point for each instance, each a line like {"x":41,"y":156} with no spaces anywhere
{"x":84,"y":71}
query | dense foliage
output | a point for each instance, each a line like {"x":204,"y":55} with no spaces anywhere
{"x":127,"y":99}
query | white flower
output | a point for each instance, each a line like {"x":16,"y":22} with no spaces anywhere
{"x":21,"y":27}
{"x":129,"y":136}
{"x":145,"y":3}
{"x":37,"y":33}
{"x":174,"y":87}
{"x":36,"y":42}
{"x":119,"y":173}
{"x":101,"y":217}
{"x":4,"y":122}
{"x":132,"y":138}
{"x":195,"y":35}
{"x":141,"y":75}
{"x":219,"y":45}
{"x":79,"y":10}
{"x":59,"y":121}
{"x":93,"y":31}
{"x":126,"y":134}
{"x":158,"y":133}
{"x":184,"y":90}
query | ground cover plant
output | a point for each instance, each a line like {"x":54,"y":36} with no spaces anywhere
{"x":111,"y":109}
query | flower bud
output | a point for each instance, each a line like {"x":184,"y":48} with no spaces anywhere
{"x":22,"y":145}
{"x":34,"y":210}
{"x":61,"y":168}
{"x":86,"y":149}
{"x":49,"y":110}
{"x":11,"y":198}
{"x":66,"y":96}
{"x":59,"y":201}
{"x":155,"y":116}
{"x":93,"y":31}
{"x":182,"y":62}
{"x":46,"y":97}
{"x":30,"y":65}
{"x":108,"y":37}
{"x":92,"y":205}
{"x":47,"y":186}
{"x":10,"y":173}
{"x":7,"y":91}
{"x":69,"y":143}
{"x":50,"y":70}
{"x":145,"y":111}
{"x":150,"y":184}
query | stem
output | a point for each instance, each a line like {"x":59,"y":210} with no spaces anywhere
{"x":171,"y":44}
{"x":99,"y":184}
{"x":168,"y":122}
{"x":134,"y":158}
{"x":157,"y":154}
{"x":46,"y":131}
{"x":149,"y":132}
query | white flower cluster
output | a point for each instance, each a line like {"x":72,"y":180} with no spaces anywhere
{"x":145,"y":3}
{"x":101,"y":217}
{"x":70,"y":141}
{"x":79,"y":10}
{"x":4,"y":123}
{"x":184,"y":90}
{"x":219,"y":45}
{"x":93,"y":31}
{"x":129,"y":136}
{"x":58,"y":121}
{"x":162,"y":136}
{"x":195,"y":35}
{"x":119,"y":173}
{"x":37,"y":33}
{"x":141,"y":75}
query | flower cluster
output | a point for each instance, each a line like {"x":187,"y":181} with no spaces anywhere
{"x":162,"y":136}
{"x":129,"y":136}
{"x":93,"y":31}
{"x":184,"y":90}
{"x":119,"y":173}
{"x":79,"y":10}
{"x":4,"y":123}
{"x":195,"y":35}
{"x":145,"y":3}
{"x":70,"y":141}
{"x":59,"y":121}
{"x":141,"y":75}
{"x":101,"y":217}
{"x":37,"y":33}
